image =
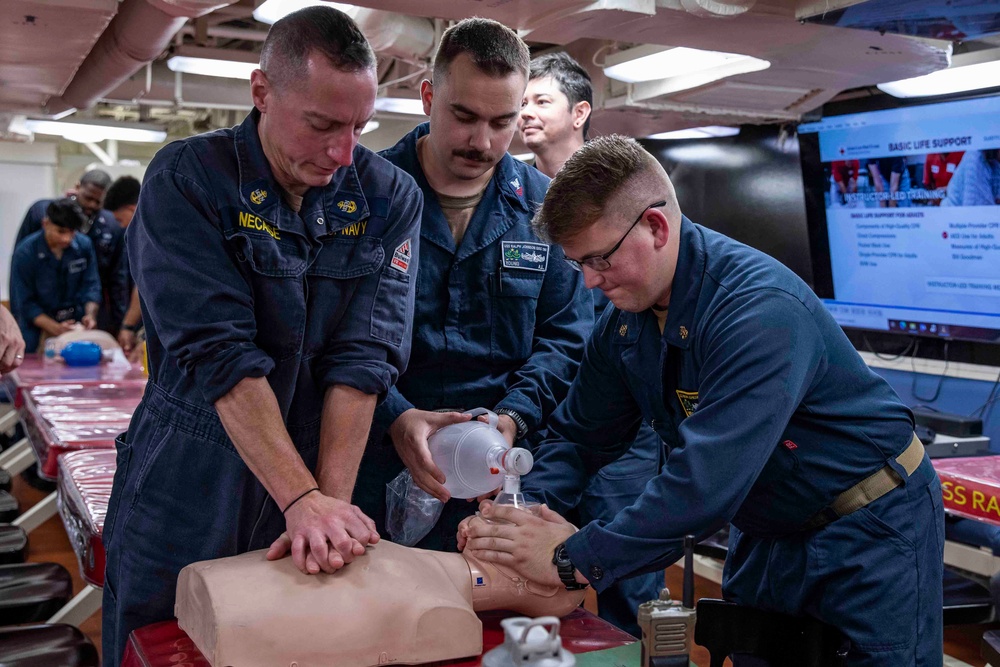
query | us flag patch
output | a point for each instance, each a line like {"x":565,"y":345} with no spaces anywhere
{"x":401,"y":257}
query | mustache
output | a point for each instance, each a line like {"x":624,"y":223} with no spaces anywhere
{"x":475,"y":156}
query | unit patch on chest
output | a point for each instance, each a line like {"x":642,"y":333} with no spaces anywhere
{"x":524,"y":255}
{"x":689,"y":401}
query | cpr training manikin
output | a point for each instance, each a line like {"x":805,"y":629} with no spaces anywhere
{"x":393,"y":604}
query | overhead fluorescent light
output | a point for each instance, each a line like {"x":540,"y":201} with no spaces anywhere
{"x":404,"y":105}
{"x":270,"y":11}
{"x":95,"y":131}
{"x":370,"y":127}
{"x":707,"y":132}
{"x":226,"y":63}
{"x":649,"y":62}
{"x":946,"y":81}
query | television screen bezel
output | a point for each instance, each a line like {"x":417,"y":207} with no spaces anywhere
{"x":814,"y":190}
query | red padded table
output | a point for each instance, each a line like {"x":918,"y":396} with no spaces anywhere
{"x":971,"y":487}
{"x":166,"y":645}
{"x":60,"y":418}
{"x":34,"y":371}
{"x":85,"y":479}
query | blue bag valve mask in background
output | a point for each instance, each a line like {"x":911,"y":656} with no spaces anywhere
{"x":82,"y":353}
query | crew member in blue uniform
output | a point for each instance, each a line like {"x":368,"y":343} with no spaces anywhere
{"x":54,"y":285}
{"x":108,"y":239}
{"x":501,"y":320}
{"x":276,"y":263}
{"x":770,"y":417}
{"x":554,"y":120}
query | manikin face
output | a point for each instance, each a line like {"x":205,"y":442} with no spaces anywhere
{"x":90,"y":198}
{"x":637,"y":277}
{"x":546,"y":115}
{"x":473,"y":118}
{"x":309,"y":128}
{"x":58,"y":238}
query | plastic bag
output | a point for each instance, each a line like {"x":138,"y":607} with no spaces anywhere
{"x":411,"y":511}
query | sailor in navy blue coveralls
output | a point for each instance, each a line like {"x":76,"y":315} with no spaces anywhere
{"x":108,"y":240}
{"x":239,"y":281}
{"x":489,"y":330}
{"x":44,"y":285}
{"x":768,"y":415}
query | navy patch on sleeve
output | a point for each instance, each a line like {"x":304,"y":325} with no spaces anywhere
{"x":524,"y":255}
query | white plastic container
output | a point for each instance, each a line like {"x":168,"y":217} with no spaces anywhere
{"x":474,"y":456}
{"x":530,"y":643}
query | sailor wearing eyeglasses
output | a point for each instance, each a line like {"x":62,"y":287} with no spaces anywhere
{"x":771,"y":419}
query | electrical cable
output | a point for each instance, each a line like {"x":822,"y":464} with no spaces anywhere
{"x":890,"y":357}
{"x":990,"y":401}
{"x":913,"y":384}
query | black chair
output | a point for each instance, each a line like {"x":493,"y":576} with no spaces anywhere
{"x":715,"y":546}
{"x":9,"y":507}
{"x":46,"y":646}
{"x":968,"y":598}
{"x":772,"y":639}
{"x":13,"y":544}
{"x":33,"y":592}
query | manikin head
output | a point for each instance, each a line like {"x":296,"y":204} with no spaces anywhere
{"x":600,"y":208}
{"x":315,"y":91}
{"x":63,"y":219}
{"x":480,"y":70}
{"x":556,"y":107}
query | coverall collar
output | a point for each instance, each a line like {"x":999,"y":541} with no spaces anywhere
{"x":341,"y":202}
{"x":505,"y":179}
{"x":688,"y":278}
{"x":684,"y":294}
{"x":45,"y":252}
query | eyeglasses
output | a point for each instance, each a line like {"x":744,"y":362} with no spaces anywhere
{"x":600,"y":262}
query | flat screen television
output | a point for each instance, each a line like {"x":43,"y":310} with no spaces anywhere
{"x":903,"y":208}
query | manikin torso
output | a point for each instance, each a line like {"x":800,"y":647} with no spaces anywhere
{"x":393,"y":605}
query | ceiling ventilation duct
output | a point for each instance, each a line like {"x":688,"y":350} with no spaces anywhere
{"x":398,"y":35}
{"x":140,"y":32}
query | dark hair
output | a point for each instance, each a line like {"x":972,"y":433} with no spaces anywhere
{"x":572,"y":79}
{"x":65,"y":213}
{"x":123,"y":192}
{"x":324,"y":29}
{"x":494,"y":48}
{"x":96,"y":177}
{"x":604,"y":170}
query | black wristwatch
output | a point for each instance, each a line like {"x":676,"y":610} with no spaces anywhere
{"x":522,"y":426}
{"x":566,"y":569}
{"x":132,"y":327}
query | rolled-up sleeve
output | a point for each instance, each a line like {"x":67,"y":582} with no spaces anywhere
{"x":370,"y":347}
{"x":195,"y":298}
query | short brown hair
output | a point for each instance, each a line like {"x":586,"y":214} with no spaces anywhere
{"x":603,"y":174}
{"x":325,"y":30}
{"x":494,"y":48}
